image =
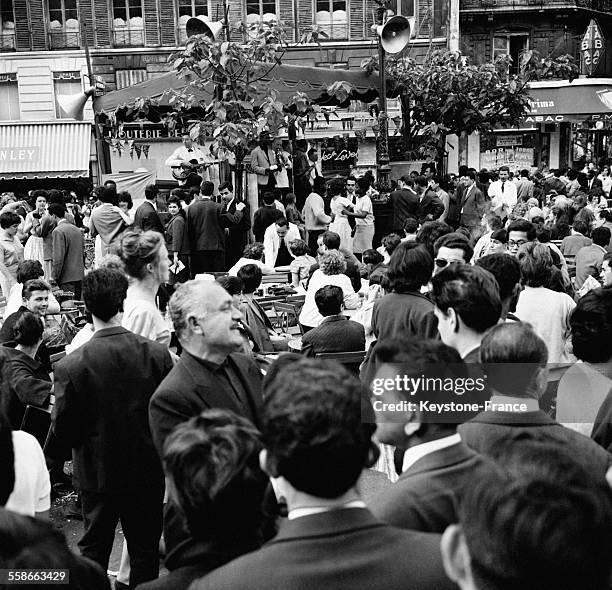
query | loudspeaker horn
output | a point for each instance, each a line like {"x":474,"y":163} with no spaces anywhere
{"x":73,"y":105}
{"x":195,"y":26}
{"x":395,"y":34}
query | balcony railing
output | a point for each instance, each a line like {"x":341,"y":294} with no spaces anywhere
{"x":128,"y":37}
{"x":7,"y":42}
{"x":64,"y":39}
{"x":488,"y":5}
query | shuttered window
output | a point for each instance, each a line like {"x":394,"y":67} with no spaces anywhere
{"x":126,"y":78}
{"x":9,"y":98}
{"x":7,"y":26}
{"x":332,"y":18}
{"x":189,"y":9}
{"x":63,"y":24}
{"x":65,"y":84}
{"x":128,"y":25}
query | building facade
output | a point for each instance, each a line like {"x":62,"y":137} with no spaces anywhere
{"x":562,"y":130}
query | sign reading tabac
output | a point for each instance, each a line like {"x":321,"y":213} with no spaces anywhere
{"x":592,"y":48}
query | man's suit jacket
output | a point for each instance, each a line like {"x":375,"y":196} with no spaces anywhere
{"x":596,"y":184}
{"x":102,"y":393}
{"x":189,"y":389}
{"x":430,"y":207}
{"x":483,"y":432}
{"x":588,"y":262}
{"x":404,"y":203}
{"x":426,"y":496}
{"x":205,"y":225}
{"x":334,"y":334}
{"x":237,"y":233}
{"x":68,"y":251}
{"x":147,"y":218}
{"x":472,"y":207}
{"x":260,"y":162}
{"x":345,"y":548}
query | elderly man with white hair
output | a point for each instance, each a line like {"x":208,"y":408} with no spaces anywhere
{"x":209,"y":374}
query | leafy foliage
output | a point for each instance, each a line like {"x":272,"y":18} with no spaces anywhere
{"x":447,"y":94}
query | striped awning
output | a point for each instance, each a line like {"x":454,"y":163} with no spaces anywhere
{"x":44,"y":150}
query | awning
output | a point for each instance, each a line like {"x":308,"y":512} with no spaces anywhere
{"x":286,"y":80}
{"x":561,"y":101}
{"x":44,"y":150}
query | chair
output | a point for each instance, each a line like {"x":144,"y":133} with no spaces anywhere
{"x":350,"y":360}
{"x":288,"y":315}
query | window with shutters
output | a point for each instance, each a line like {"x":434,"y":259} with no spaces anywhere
{"x":405,"y":8}
{"x":63,"y":24}
{"x":189,"y":9}
{"x":260,"y":10}
{"x":65,"y":84}
{"x":7,"y":26}
{"x":9,"y":98}
{"x":431,"y":17}
{"x":331,"y":17}
{"x":128,"y":26}
{"x":126,"y":78}
{"x":512,"y":44}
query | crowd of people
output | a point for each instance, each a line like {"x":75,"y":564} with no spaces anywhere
{"x":185,"y":421}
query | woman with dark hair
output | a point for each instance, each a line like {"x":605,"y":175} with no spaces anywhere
{"x":404,"y":311}
{"x":177,"y":241}
{"x":147,"y":265}
{"x":24,"y":379}
{"x":125,"y":203}
{"x":28,"y":270}
{"x":389,"y":243}
{"x":33,"y":228}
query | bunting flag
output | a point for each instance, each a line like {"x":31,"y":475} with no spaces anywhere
{"x":138,"y":149}
{"x":145,"y":150}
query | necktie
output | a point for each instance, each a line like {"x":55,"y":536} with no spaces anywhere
{"x":503,"y":185}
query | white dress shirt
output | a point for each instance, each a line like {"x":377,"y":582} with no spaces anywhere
{"x":503,"y":197}
{"x":271,"y":242}
{"x":413,"y":454}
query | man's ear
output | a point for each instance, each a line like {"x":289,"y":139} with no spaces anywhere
{"x":456,"y":557}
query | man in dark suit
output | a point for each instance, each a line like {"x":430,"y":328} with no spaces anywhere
{"x":467,"y":304}
{"x":430,"y":206}
{"x":404,"y":203}
{"x":206,"y":223}
{"x":102,"y":393}
{"x":209,"y":374}
{"x":513,"y":408}
{"x":437,"y":466}
{"x":593,"y":182}
{"x":336,"y":333}
{"x":473,"y":204}
{"x":146,"y":216}
{"x":68,"y":252}
{"x":316,"y":446}
{"x":236,"y":233}
{"x":35,"y":299}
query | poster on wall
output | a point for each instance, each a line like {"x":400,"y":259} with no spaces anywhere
{"x":516,"y":158}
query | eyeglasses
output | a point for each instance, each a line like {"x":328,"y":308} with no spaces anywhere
{"x":441,"y":262}
{"x":516,"y":244}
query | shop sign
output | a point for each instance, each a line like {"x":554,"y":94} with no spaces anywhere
{"x":19,"y":154}
{"x":509,"y":140}
{"x":545,"y":119}
{"x":146,"y":131}
{"x":592,"y":48}
{"x":518,"y":157}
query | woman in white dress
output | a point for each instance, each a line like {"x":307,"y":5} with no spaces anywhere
{"x":32,"y":227}
{"x":340,"y":207}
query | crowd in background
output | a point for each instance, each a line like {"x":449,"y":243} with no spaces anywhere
{"x":184,"y":422}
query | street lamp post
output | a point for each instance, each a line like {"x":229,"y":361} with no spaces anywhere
{"x":382,"y":145}
{"x":393,"y":35}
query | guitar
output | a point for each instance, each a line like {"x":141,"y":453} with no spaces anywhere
{"x":193,"y":166}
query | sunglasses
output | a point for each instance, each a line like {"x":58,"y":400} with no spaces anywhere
{"x":441,"y":263}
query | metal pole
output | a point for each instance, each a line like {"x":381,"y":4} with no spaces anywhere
{"x":382,"y":149}
{"x":100,"y":156}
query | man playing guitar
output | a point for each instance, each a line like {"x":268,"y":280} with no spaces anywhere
{"x":188,"y":159}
